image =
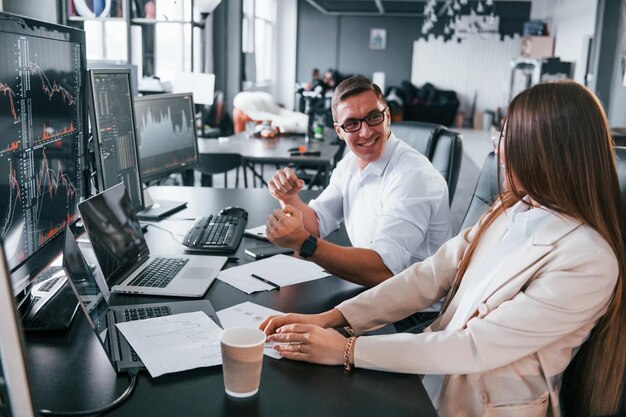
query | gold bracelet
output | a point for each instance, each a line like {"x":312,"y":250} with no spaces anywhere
{"x":347,"y":353}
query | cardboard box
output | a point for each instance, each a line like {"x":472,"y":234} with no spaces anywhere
{"x":537,"y":47}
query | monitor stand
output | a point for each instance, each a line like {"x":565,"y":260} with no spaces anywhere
{"x":158,"y":209}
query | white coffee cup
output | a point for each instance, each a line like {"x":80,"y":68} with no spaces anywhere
{"x":242,"y":359}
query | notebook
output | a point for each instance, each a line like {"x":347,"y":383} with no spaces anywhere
{"x":124,"y":257}
{"x":102,"y":317}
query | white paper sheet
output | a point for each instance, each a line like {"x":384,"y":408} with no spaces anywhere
{"x":248,"y":315}
{"x":280,"y":269}
{"x":174,"y":343}
{"x":257,"y":232}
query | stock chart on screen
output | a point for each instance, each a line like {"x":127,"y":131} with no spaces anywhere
{"x":41,"y":134}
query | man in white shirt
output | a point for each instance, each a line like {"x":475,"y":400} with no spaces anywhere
{"x":393,"y":201}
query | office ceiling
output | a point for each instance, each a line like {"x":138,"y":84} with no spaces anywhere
{"x":369,"y":7}
{"x":413,"y":8}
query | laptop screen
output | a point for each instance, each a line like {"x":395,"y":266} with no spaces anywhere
{"x":114,"y":232}
{"x":84,"y":284}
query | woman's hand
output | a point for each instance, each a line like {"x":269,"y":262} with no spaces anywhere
{"x":330,"y":318}
{"x":309,"y":343}
{"x":272,"y":323}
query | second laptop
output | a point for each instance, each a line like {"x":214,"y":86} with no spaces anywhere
{"x":125,"y":260}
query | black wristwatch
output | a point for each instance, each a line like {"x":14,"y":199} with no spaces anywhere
{"x":308,"y":247}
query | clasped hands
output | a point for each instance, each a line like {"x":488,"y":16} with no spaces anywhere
{"x":304,"y":337}
{"x":286,"y":227}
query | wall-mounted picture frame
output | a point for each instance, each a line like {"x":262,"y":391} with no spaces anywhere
{"x":378,"y":38}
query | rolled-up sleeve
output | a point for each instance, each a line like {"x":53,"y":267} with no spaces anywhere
{"x":328,"y":206}
{"x":413,"y":202}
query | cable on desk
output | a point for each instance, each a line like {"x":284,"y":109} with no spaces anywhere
{"x":97,"y":411}
{"x":165,"y":230}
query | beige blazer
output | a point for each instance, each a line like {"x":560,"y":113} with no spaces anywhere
{"x":509,"y":357}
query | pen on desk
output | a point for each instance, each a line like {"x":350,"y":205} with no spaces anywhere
{"x":266,"y":281}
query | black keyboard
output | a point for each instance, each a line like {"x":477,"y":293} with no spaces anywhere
{"x":216,"y":234}
{"x":159,"y":273}
{"x":142,"y":313}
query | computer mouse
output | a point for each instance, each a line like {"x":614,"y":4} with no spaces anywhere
{"x":234,"y":211}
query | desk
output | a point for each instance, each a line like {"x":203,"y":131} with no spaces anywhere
{"x":276,"y":152}
{"x":70,"y":371}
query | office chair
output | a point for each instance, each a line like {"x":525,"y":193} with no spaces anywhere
{"x":218,"y":163}
{"x":485,"y":192}
{"x":442,"y":147}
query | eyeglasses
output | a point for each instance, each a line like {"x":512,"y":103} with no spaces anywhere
{"x":373,"y":119}
{"x":495,"y":138}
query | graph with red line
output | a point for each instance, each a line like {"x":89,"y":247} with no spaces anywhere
{"x":41,"y":139}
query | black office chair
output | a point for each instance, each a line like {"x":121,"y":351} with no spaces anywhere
{"x":485,"y":192}
{"x":442,"y":147}
{"x":218,"y":163}
{"x":421,"y":136}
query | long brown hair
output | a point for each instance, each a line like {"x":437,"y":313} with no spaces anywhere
{"x":559,"y":148}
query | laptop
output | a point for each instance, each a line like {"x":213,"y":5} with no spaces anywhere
{"x":125,"y":260}
{"x":102,"y":317}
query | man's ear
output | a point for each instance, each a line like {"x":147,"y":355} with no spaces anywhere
{"x":338,"y":130}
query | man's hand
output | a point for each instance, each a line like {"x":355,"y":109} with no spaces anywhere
{"x":285,"y":185}
{"x":285,"y":228}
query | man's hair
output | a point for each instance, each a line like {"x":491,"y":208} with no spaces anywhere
{"x":354,"y":86}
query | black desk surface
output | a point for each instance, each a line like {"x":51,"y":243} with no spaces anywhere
{"x":69,"y":371}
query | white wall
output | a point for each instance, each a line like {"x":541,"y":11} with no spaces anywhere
{"x":286,"y":40}
{"x":477,"y":65}
{"x":571,"y":22}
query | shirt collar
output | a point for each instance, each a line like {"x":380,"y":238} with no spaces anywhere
{"x":525,"y":220}
{"x":377,"y":167}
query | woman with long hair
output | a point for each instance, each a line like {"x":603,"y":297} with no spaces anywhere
{"x":537,"y":282}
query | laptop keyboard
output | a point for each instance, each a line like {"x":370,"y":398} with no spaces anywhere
{"x":216,"y":233}
{"x":142,"y":313}
{"x":159,"y":273}
{"x":49,"y":284}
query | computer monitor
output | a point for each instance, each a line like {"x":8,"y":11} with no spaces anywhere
{"x":107,"y":64}
{"x":42,"y":140}
{"x":113,"y":131}
{"x":166,"y":134}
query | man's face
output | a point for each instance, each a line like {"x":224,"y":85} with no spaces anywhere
{"x":368,"y":142}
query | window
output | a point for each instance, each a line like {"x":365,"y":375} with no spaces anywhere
{"x":258,"y":31}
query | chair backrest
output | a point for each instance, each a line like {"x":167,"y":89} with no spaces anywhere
{"x":217,"y":163}
{"x":484,"y":193}
{"x":419,"y":135}
{"x":620,"y":153}
{"x":487,"y":186}
{"x":441,"y":146}
{"x":447,"y":156}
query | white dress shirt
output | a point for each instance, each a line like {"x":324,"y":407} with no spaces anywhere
{"x":397,"y":205}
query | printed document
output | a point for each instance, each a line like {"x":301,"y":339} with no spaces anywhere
{"x":248,"y":315}
{"x":174,"y":343}
{"x":282,"y":270}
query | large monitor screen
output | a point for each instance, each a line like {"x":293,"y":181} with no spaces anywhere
{"x":41,"y":133}
{"x":166,"y":134}
{"x":113,"y":130}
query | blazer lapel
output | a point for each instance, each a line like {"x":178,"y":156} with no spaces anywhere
{"x":534,"y":249}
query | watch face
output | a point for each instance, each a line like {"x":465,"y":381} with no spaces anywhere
{"x":308,"y":247}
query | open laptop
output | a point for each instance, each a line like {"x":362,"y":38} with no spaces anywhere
{"x":102,"y":317}
{"x":124,"y":257}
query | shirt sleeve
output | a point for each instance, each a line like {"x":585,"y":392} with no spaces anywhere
{"x":328,"y":206}
{"x":412,"y":201}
